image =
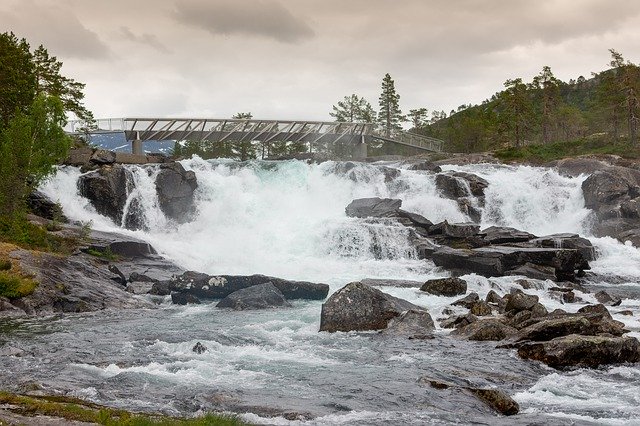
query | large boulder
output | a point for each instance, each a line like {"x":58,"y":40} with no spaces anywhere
{"x":520,"y":301}
{"x":503,"y":234}
{"x":259,"y":296}
{"x":219,"y":286}
{"x":582,"y":351}
{"x":486,"y":329}
{"x":107,"y":190}
{"x":566,"y":241}
{"x":498,"y":400}
{"x":175,"y":188}
{"x":460,"y":184}
{"x":445,"y":286}
{"x":42,"y":206}
{"x":613,"y":185}
{"x":373,"y":207}
{"x":359,"y":307}
{"x":103,"y":156}
{"x":412,"y":324}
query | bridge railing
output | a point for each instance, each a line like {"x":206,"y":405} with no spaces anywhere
{"x":411,"y":139}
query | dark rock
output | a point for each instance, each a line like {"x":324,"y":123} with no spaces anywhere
{"x":566,"y":241}
{"x":175,"y":188}
{"x":416,"y":219}
{"x":102,"y":156}
{"x":582,"y":351}
{"x":503,"y":234}
{"x":569,"y":297}
{"x":486,"y":329}
{"x":107,"y":190}
{"x":119,"y":276}
{"x":161,"y":288}
{"x":469,"y":208}
{"x":199,"y":348}
{"x":539,"y":310}
{"x":548,"y":329}
{"x":373,"y":207}
{"x":134,"y":276}
{"x":498,"y":400}
{"x":454,"y":185}
{"x":383,"y":282}
{"x":42,"y":206}
{"x":480,"y":309}
{"x":596,"y":309}
{"x":458,"y":321}
{"x":626,"y":312}
{"x":445,"y":286}
{"x":605,"y":298}
{"x":390,"y":174}
{"x":574,"y":167}
{"x":493,"y":297}
{"x":412,"y":323}
{"x":520,"y":301}
{"x":460,"y":230}
{"x":520,"y":319}
{"x":360,"y":307}
{"x":79,"y":156}
{"x":631,"y":235}
{"x":259,"y":296}
{"x":184,"y":299}
{"x":613,"y":185}
{"x":468,"y":301}
{"x":425,"y":166}
{"x":630,"y":209}
{"x":536,"y":272}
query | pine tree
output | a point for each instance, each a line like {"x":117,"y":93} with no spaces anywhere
{"x":418,"y":117}
{"x":353,"y":109}
{"x":390,"y":115}
{"x":516,"y":113}
{"x":548,"y":87}
{"x":17,"y":77}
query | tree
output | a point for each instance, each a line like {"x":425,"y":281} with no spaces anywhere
{"x":17,"y":77}
{"x":353,"y":109}
{"x":628,"y":76}
{"x":390,"y":115}
{"x":418,"y":117}
{"x":516,"y":112}
{"x":30,"y":146}
{"x":243,"y":149}
{"x":549,"y":88}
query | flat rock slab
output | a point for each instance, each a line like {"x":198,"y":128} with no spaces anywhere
{"x":259,"y":296}
{"x":373,"y":207}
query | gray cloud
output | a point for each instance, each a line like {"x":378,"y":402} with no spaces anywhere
{"x":147,"y":39}
{"x":265,"y":18}
{"x":58,"y":29}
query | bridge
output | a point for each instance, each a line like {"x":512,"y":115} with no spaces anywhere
{"x":312,"y":133}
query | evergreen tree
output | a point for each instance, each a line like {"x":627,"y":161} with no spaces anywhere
{"x":353,"y":109}
{"x":548,"y":87}
{"x":17,"y":77}
{"x":243,"y":150}
{"x":418,"y":117}
{"x":390,"y":115}
{"x":516,"y":113}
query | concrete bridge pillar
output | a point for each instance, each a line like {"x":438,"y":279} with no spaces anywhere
{"x":359,"y":149}
{"x":136,"y":146}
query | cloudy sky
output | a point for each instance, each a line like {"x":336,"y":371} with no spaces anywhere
{"x":295,"y":58}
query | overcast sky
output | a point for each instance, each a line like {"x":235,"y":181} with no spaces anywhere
{"x":296,"y":58}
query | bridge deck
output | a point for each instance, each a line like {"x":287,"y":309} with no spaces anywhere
{"x":220,"y":130}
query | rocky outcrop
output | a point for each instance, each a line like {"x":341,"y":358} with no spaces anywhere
{"x":504,"y":235}
{"x":582,"y":351}
{"x":259,"y":296}
{"x":498,"y":400}
{"x":175,"y":187}
{"x":107,"y":190}
{"x":206,"y":286}
{"x":412,"y":324}
{"x":486,"y":329}
{"x":456,"y":185}
{"x":445,"y":287}
{"x":359,"y":307}
{"x":373,"y":207}
{"x":40,"y":205}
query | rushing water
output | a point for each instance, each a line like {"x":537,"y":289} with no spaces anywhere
{"x":287,"y":219}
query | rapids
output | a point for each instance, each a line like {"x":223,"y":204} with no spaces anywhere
{"x":287,"y":219}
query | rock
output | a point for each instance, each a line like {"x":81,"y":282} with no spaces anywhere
{"x":425,"y":166}
{"x":127,"y":247}
{"x":539,"y":310}
{"x":630,"y":235}
{"x":613,"y":185}
{"x":384,"y":282}
{"x":626,"y":312}
{"x":102,"y":156}
{"x":486,"y":329}
{"x":575,"y":166}
{"x":184,"y":299}
{"x":458,"y":321}
{"x":503,"y":234}
{"x":373,"y":207}
{"x":582,"y":351}
{"x":416,"y":219}
{"x":199,"y":348}
{"x":139,"y":287}
{"x":107,"y":190}
{"x":79,"y":156}
{"x":480,"y":309}
{"x":569,"y":297}
{"x":119,"y":276}
{"x":630,"y":209}
{"x":468,"y":301}
{"x":521,"y":319}
{"x":606,"y":299}
{"x":134,"y":276}
{"x":548,"y":329}
{"x":498,"y":400}
{"x":259,"y":296}
{"x":566,"y":241}
{"x":536,"y":272}
{"x":220,"y":286}
{"x":175,"y":188}
{"x":413,"y":324}
{"x":359,"y":307}
{"x":454,"y":185}
{"x":493,"y":297}
{"x":42,"y":206}
{"x":445,"y":286}
{"x":460,"y":230}
{"x":520,"y":301}
{"x":596,"y":309}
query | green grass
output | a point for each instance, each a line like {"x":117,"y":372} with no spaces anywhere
{"x":78,"y":410}
{"x":555,"y":151}
{"x":21,"y":232}
{"x":14,"y":286}
{"x":5,"y":265}
{"x":106,"y":254}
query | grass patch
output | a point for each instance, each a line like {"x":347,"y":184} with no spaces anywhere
{"x":105,"y":254}
{"x":78,"y":410}
{"x":5,"y":265}
{"x":14,"y":285}
{"x":21,"y":232}
{"x":559,"y":150}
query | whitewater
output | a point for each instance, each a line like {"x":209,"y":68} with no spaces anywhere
{"x":287,"y":219}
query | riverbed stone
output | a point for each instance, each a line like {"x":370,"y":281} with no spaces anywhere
{"x":449,"y":287}
{"x":373,"y":207}
{"x":175,"y":187}
{"x":486,"y":329}
{"x":259,"y":296}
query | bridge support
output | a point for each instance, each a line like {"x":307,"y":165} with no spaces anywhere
{"x":359,"y":150}
{"x":136,"y":146}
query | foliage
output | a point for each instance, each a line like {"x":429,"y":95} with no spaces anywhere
{"x":17,"y":77}
{"x":390,"y":115}
{"x":72,"y":409}
{"x":353,"y":109}
{"x":418,"y":117}
{"x":14,"y":285}
{"x":19,"y":231}
{"x":105,"y":254}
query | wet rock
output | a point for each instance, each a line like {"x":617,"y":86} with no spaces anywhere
{"x":42,"y":206}
{"x":107,"y":190}
{"x":259,"y":296}
{"x":498,"y":400}
{"x":460,"y":230}
{"x":373,"y":207}
{"x":413,"y":324}
{"x":582,"y":351}
{"x":416,"y":219}
{"x":199,"y":348}
{"x":520,"y":319}
{"x":384,"y":282}
{"x":468,"y":301}
{"x":454,"y":185}
{"x":536,"y":272}
{"x":548,"y":329}
{"x":631,"y":235}
{"x":596,"y":309}
{"x":569,"y":297}
{"x":79,"y":156}
{"x":576,"y":166}
{"x":445,"y":287}
{"x":613,"y":185}
{"x":493,"y":297}
{"x":175,"y":188}
{"x":539,"y":310}
{"x":135,"y":276}
{"x":359,"y":307}
{"x":520,"y":301}
{"x":503,"y":234}
{"x":184,"y":299}
{"x":630,"y":209}
{"x":119,"y":276}
{"x":606,"y":299}
{"x":566,"y":241}
{"x":139,"y":287}
{"x":458,"y":321}
{"x":425,"y":166}
{"x":486,"y":329}
{"x":626,"y":312}
{"x":480,"y":309}
{"x":102,"y":156}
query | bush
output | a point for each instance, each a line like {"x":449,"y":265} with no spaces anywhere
{"x":19,"y":231}
{"x":14,"y":286}
{"x":5,"y":265}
